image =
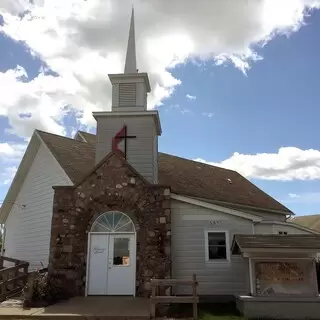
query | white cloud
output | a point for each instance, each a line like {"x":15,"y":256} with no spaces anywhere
{"x":177,"y":107}
{"x":83,"y":41}
{"x":190,"y":97}
{"x":207,"y":114}
{"x":11,"y":151}
{"x":10,"y":156}
{"x":305,"y":197}
{"x":293,"y":195}
{"x":287,"y":164}
{"x":7,"y":175}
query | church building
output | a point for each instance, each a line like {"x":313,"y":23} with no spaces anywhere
{"x":107,"y":212}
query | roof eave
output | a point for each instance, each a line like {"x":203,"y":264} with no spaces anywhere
{"x":287,"y":247}
{"x":218,"y":202}
{"x":20,"y":176}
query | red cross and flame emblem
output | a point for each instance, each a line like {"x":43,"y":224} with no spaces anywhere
{"x":120,"y":136}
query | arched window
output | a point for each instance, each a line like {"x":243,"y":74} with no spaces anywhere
{"x":113,"y":221}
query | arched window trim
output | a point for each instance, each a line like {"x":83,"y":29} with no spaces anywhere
{"x":108,"y":225}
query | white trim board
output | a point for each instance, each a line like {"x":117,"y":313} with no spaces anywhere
{"x":211,"y":206}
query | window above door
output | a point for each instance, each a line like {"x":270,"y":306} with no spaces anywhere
{"x":113,"y":221}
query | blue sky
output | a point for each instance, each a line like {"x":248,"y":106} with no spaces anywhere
{"x":262,"y":121}
{"x":274,"y":106}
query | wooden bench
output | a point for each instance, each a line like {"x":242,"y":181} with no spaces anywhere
{"x":161,"y":283}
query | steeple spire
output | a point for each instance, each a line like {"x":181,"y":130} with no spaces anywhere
{"x":131,"y":63}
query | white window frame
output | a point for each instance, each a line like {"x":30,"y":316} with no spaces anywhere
{"x":206,"y":239}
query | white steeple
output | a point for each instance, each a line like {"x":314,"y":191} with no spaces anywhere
{"x":130,"y":89}
{"x":131,"y":62}
{"x":130,"y":127}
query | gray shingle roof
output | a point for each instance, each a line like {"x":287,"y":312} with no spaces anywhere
{"x":310,"y":221}
{"x":186,"y":177}
{"x":292,"y":241}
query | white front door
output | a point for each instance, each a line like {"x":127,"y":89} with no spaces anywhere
{"x":111,"y":264}
{"x":98,"y":257}
{"x":121,"y":269}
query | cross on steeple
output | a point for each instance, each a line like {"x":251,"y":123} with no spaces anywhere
{"x":121,"y":135}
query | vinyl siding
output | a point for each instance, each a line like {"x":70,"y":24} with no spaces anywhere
{"x":189,"y":223}
{"x":141,"y":151}
{"x":264,"y":228}
{"x":28,"y":230}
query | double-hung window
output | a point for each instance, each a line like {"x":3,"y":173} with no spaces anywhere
{"x":217,"y":246}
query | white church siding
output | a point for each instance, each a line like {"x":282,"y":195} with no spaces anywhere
{"x":274,"y":228}
{"x":189,"y":223}
{"x":140,"y":150}
{"x":28,"y":230}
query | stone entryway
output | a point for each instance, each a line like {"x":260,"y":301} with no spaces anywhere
{"x":112,"y":186}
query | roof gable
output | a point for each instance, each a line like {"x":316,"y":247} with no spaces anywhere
{"x":19,"y":177}
{"x":309,"y":221}
{"x":86,"y":137}
{"x":105,"y":159}
{"x":75,"y":157}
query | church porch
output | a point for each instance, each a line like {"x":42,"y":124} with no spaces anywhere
{"x":282,"y":276}
{"x":103,"y":307}
{"x":110,"y":307}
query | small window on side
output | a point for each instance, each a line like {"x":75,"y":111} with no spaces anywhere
{"x":283,"y":232}
{"x":216,"y":246}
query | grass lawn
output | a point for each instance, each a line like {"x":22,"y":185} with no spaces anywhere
{"x":207,"y":311}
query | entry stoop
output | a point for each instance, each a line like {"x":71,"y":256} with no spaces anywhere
{"x":97,"y":307}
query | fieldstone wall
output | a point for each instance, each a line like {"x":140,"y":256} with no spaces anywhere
{"x":113,"y":185}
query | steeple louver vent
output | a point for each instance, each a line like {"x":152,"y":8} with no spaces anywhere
{"x":127,"y":94}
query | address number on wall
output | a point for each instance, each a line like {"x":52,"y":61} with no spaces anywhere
{"x":215,"y":222}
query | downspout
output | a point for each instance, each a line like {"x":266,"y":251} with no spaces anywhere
{"x":3,"y":240}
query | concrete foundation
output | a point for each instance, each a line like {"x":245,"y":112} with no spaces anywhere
{"x":279,"y":307}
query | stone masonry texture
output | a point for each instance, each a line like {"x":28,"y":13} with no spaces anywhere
{"x":112,"y":186}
